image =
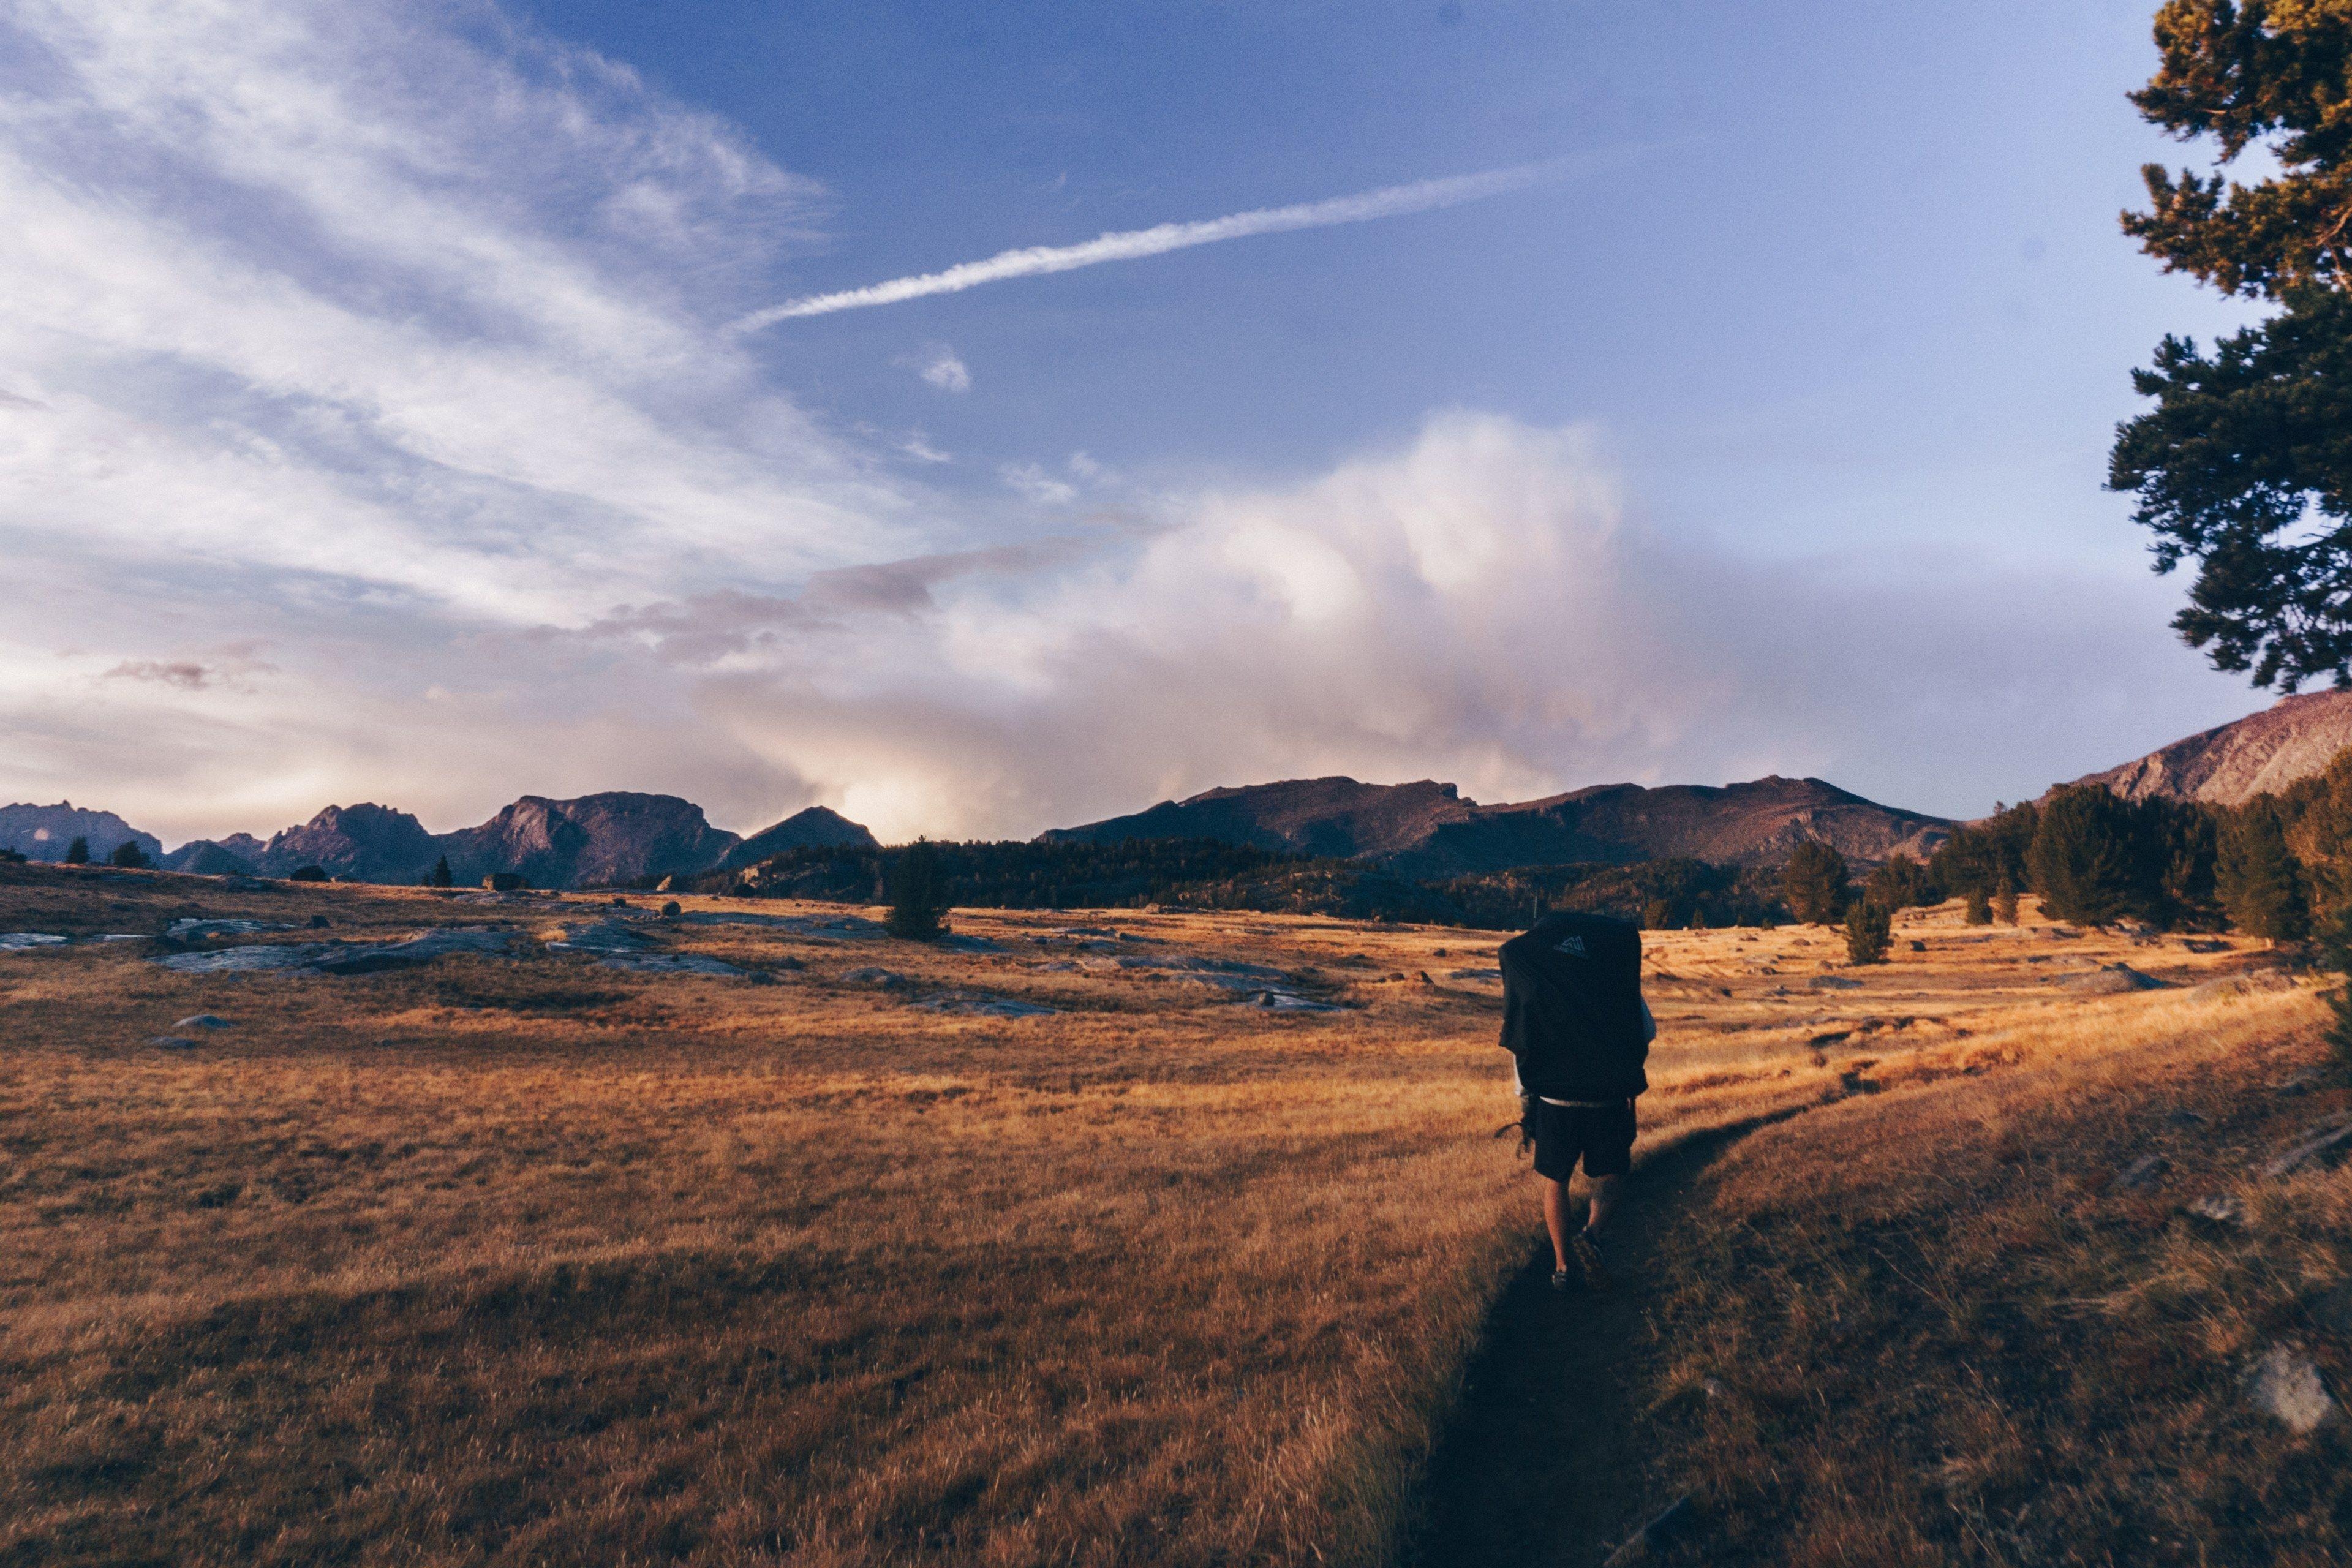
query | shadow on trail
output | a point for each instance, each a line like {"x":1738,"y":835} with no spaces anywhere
{"x":1542,"y":1462}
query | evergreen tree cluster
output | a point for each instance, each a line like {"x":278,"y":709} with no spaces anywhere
{"x":1207,"y":874}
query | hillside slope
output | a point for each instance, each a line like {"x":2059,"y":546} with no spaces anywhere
{"x":2261,"y":754}
{"x":1427,"y":830}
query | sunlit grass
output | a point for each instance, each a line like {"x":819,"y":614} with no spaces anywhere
{"x":532,"y":1261}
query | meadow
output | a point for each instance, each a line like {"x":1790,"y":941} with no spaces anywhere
{"x":1123,"y":1237}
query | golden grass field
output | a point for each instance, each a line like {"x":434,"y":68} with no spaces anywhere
{"x":528,"y":1259}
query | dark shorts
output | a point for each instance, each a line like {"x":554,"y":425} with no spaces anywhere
{"x":1602,"y":1135}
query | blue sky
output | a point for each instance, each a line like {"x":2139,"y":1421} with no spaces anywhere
{"x":369,"y":407}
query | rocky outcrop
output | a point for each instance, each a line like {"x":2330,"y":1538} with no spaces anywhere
{"x":814,"y":828}
{"x":2260,"y":754}
{"x":594,"y":840}
{"x":364,"y":843}
{"x":1427,"y":830}
{"x":46,"y":832}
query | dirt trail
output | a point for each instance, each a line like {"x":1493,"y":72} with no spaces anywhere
{"x":1543,"y":1463}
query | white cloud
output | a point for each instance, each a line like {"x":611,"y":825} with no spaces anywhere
{"x":946,"y":371}
{"x":1035,"y":484}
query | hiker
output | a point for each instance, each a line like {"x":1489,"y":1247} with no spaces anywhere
{"x":1578,"y":1031}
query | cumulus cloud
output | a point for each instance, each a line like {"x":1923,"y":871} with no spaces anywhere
{"x":1482,"y":605}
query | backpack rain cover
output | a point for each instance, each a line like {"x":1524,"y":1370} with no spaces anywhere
{"x":1572,"y":1007}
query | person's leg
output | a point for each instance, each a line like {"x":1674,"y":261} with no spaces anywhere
{"x":1556,"y":1220}
{"x":1604,"y":1200}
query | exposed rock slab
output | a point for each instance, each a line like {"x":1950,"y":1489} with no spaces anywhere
{"x":29,"y":940}
{"x":2260,"y":754}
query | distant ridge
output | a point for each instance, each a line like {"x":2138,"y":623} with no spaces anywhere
{"x":614,"y":837}
{"x":1427,"y":830}
{"x":816,"y":828}
{"x":46,"y":832}
{"x":2261,"y":754}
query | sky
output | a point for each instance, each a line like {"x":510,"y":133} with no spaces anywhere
{"x":984,"y":419}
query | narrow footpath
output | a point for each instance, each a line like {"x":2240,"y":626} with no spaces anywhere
{"x":1542,"y":1463}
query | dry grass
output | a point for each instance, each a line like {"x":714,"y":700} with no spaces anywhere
{"x":508,"y":1260}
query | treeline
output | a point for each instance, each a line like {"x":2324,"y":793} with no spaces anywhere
{"x":1016,"y":874}
{"x":2261,"y":868}
{"x":2269,"y":868}
{"x":1207,"y":874}
{"x":1663,"y":895}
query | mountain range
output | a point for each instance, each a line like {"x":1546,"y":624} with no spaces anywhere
{"x":1428,"y":829}
{"x":594,"y":840}
{"x":1419,"y":830}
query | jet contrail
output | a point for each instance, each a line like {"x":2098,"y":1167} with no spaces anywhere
{"x":1420,"y":196}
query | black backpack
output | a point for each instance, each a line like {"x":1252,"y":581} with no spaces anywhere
{"x":1572,"y":1007}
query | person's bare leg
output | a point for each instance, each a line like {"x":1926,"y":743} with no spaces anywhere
{"x":1604,"y":1200}
{"x":1556,"y":1219}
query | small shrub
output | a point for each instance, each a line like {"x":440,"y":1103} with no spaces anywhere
{"x":1869,"y":931}
{"x":308,"y":874}
{"x":129,"y":856}
{"x":11,"y":856}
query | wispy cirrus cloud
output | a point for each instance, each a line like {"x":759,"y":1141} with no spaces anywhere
{"x":1133,"y":245}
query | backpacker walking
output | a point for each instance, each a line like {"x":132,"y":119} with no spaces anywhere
{"x":1578,"y":1031}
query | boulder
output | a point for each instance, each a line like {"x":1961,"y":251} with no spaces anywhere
{"x":2109,"y":980}
{"x":2220,"y":1208}
{"x":2286,"y":1385}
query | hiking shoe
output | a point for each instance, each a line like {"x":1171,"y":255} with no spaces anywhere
{"x":1587,"y":1253}
{"x":1559,"y":1278}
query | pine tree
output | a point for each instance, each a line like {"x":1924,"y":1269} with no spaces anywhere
{"x":2004,"y":902}
{"x":2094,"y":858}
{"x":440,"y":877}
{"x":1900,"y":884}
{"x":1814,"y":883}
{"x":1869,"y":932}
{"x":2240,"y":464}
{"x":2336,"y":953}
{"x":2260,"y":884}
{"x":918,"y":895}
{"x":1979,"y":908}
{"x":77,"y":852}
{"x":129,"y":856}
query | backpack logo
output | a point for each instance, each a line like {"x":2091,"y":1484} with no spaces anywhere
{"x":1574,"y":944}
